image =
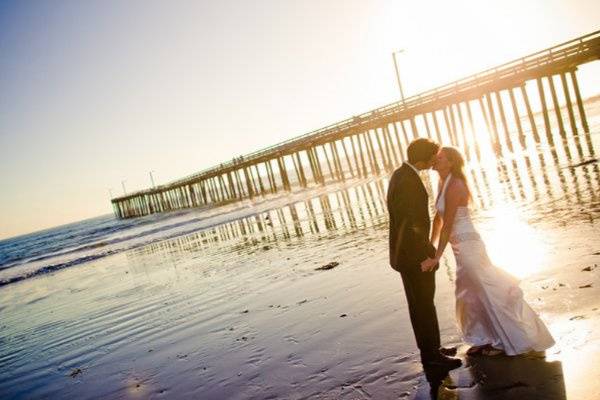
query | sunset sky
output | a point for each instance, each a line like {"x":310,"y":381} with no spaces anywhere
{"x":96,"y":92}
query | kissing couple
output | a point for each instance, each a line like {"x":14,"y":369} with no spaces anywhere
{"x":491,"y":312}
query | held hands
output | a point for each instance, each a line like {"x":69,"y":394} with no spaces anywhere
{"x":429,"y":264}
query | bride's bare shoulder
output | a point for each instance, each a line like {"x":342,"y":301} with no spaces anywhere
{"x":458,"y":188}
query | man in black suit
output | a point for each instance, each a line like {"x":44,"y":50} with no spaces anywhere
{"x":407,"y":202}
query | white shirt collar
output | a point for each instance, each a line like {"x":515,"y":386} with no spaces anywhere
{"x":413,"y":167}
{"x":416,"y":172}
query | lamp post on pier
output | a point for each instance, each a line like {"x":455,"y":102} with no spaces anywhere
{"x":123,"y":185}
{"x":152,"y":179}
{"x":398,"y":73}
{"x":110,"y":193}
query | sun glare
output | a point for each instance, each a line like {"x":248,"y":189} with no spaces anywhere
{"x":513,"y":245}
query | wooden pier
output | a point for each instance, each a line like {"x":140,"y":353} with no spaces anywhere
{"x":374,"y":142}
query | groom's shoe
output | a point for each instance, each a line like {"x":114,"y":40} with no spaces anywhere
{"x":448,"y":351}
{"x":441,"y":360}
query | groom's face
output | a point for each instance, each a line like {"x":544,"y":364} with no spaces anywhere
{"x":431,"y":161}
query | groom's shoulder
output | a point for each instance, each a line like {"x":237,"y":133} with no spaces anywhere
{"x":399,"y":173}
{"x":400,"y":170}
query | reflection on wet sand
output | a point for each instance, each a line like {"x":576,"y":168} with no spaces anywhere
{"x":496,"y":378}
{"x":541,"y":181}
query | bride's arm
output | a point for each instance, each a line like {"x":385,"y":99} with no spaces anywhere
{"x":435,"y":228}
{"x":456,"y":195}
{"x":437,"y":220}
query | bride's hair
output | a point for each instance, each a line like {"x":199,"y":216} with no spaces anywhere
{"x":457,"y":162}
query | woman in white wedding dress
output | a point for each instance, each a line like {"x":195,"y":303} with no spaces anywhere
{"x":491,"y":312}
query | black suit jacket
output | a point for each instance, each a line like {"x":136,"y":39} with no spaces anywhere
{"x":408,"y":206}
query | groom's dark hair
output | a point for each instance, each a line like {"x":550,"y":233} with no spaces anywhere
{"x":421,"y":149}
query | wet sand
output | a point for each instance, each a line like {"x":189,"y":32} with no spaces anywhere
{"x":241,"y":311}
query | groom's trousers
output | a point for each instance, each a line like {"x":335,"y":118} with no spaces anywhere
{"x":420,"y":290}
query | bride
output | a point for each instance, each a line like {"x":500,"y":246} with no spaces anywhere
{"x":491,"y":312}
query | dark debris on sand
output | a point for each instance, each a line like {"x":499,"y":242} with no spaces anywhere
{"x":75,"y":372}
{"x":589,"y":285}
{"x":590,"y":268}
{"x":330,"y":265}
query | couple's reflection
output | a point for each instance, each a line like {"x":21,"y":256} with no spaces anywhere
{"x":494,"y":378}
{"x":433,"y":389}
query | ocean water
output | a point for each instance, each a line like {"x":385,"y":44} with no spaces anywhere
{"x":229,"y":303}
{"x":71,"y":245}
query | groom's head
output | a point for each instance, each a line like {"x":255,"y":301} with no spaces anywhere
{"x":421,"y":153}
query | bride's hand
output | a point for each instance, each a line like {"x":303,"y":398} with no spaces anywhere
{"x":428,"y":264}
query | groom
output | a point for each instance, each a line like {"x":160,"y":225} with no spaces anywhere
{"x":407,"y":202}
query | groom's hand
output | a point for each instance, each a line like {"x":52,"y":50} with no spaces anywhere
{"x":428,"y":265}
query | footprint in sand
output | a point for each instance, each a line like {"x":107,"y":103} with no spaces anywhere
{"x":291,"y":339}
{"x":295,"y":359}
{"x":257,"y":357}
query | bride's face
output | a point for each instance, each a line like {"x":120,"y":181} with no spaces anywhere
{"x":441,"y":164}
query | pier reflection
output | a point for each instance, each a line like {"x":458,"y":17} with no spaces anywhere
{"x":540,"y":182}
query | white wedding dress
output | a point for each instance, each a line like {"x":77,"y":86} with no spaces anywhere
{"x":490,"y":308}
